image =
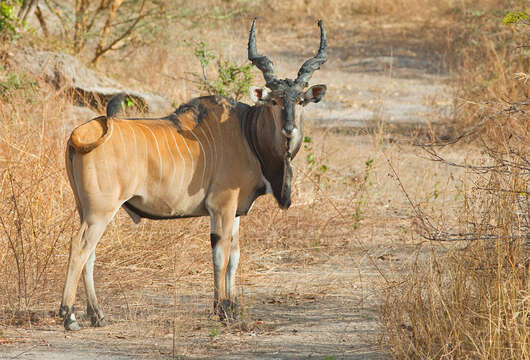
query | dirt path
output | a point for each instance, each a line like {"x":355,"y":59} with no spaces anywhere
{"x":293,"y":320}
{"x":325,"y":308}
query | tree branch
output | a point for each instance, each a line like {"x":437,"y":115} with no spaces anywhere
{"x":101,"y":48}
{"x":42,"y":22}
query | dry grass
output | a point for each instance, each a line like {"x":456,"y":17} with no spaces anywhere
{"x":36,"y":211}
{"x":474,"y":301}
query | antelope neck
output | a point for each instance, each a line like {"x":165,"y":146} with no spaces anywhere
{"x":249,"y":126}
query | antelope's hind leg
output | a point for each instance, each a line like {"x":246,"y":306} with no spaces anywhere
{"x":92,"y":307}
{"x":82,"y":247}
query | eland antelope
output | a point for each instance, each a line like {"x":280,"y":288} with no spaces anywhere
{"x":212,"y":156}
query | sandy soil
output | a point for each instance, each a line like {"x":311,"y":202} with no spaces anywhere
{"x":289,"y":322}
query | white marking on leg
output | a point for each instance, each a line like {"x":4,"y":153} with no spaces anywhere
{"x":233,"y":262}
{"x":89,"y":281}
{"x":218,"y":257}
{"x":230,"y":278}
{"x":235,"y":228}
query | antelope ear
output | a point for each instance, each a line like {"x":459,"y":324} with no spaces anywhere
{"x":259,"y":94}
{"x":314,"y":94}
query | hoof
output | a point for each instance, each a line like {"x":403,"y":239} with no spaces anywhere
{"x":96,"y":317}
{"x":71,"y":325}
{"x":98,"y":322}
{"x":227,"y":310}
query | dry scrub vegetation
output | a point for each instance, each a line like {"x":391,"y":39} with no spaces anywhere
{"x":474,"y":301}
{"x":467,"y":206}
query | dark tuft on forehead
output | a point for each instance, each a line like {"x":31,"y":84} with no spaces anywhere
{"x":286,"y":88}
{"x":279,"y":85}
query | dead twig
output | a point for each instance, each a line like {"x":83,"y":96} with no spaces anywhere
{"x":512,"y":109}
{"x":430,"y":232}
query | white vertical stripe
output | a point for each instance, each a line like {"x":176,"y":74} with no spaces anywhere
{"x":203,"y":154}
{"x":135,"y":148}
{"x":213,"y":148}
{"x":172,"y":157}
{"x":211,"y":162}
{"x":182,"y":157}
{"x":116,"y":126}
{"x":121,"y":137}
{"x":192,"y":169}
{"x":159,"y":155}
{"x":146,"y":156}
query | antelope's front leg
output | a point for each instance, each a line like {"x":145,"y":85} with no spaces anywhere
{"x":222,"y":223}
{"x":233,"y":262}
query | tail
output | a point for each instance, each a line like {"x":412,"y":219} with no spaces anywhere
{"x":114,"y":105}
{"x":91,"y":134}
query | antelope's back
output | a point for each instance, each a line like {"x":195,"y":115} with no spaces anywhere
{"x":163,"y":167}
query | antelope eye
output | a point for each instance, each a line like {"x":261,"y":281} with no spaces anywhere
{"x":274,"y":102}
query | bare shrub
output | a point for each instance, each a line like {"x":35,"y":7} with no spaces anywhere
{"x":35,"y":212}
{"x":473,"y":302}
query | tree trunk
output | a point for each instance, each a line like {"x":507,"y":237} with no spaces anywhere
{"x":81,"y":16}
{"x":100,"y":49}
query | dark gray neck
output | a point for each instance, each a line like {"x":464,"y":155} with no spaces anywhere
{"x":275,"y":169}
{"x":249,"y":119}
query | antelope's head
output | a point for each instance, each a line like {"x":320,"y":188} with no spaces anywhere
{"x":281,"y":100}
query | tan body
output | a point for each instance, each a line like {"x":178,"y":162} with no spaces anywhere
{"x":163,"y":171}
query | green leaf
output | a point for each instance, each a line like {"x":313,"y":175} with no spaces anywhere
{"x":515,"y":17}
